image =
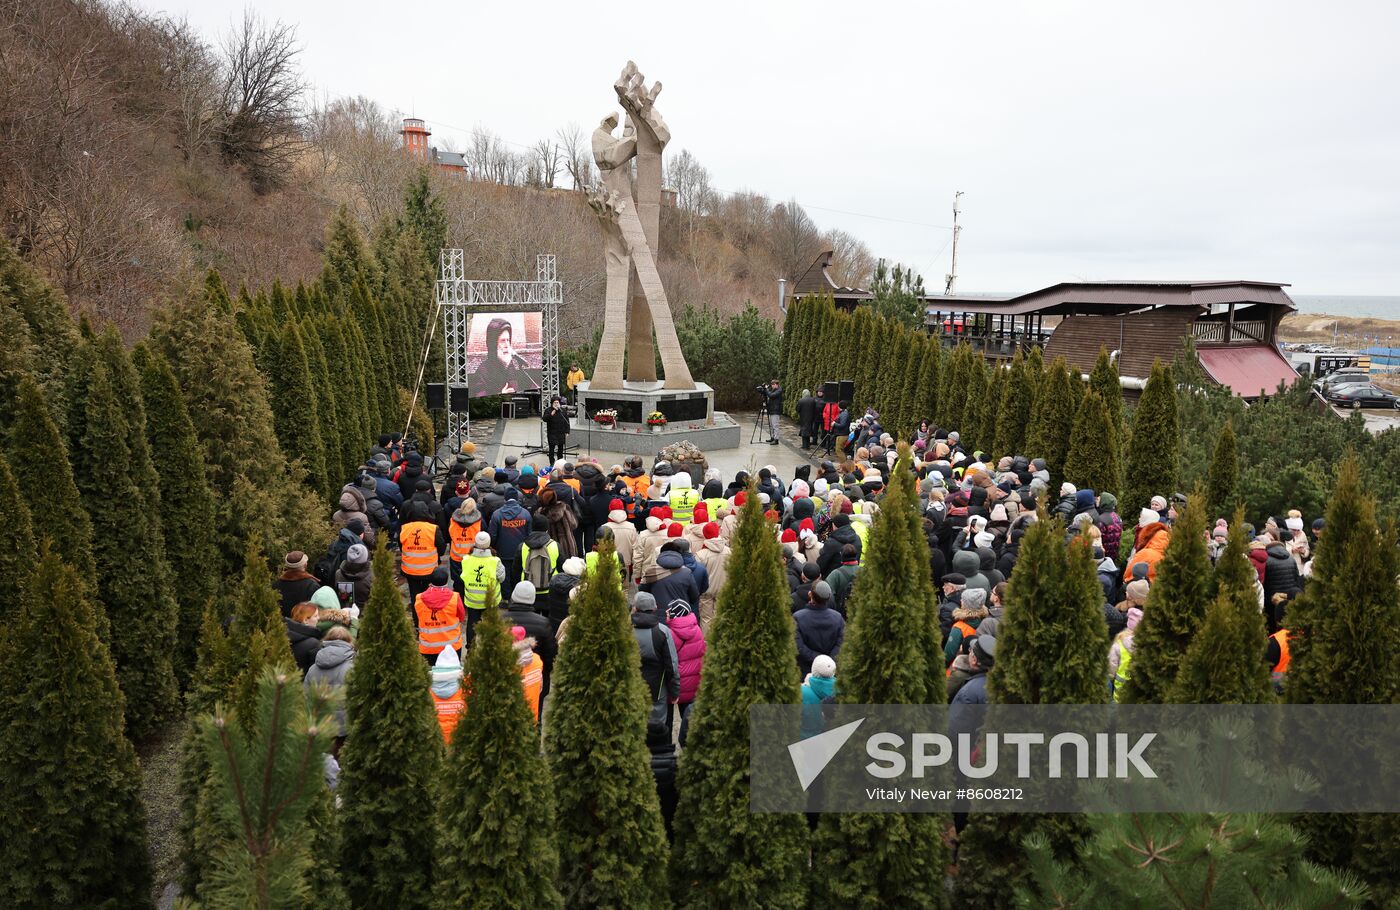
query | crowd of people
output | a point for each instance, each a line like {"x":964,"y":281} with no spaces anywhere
{"x":526,"y":533}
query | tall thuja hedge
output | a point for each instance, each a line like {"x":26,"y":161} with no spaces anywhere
{"x":39,"y":458}
{"x":38,"y":334}
{"x":790,"y":353}
{"x":349,"y":395}
{"x":328,"y":416}
{"x":1014,"y":410}
{"x":930,"y":373}
{"x":1150,"y":466}
{"x":1175,"y":609}
{"x":726,"y":856}
{"x":390,"y":764}
{"x":296,"y":409}
{"x":1344,"y":637}
{"x":1105,"y":380}
{"x":186,"y":504}
{"x":1222,"y":665}
{"x":1224,"y":471}
{"x":18,"y":551}
{"x":1094,"y":459}
{"x":76,"y":831}
{"x":497,"y":816}
{"x":1051,"y":650}
{"x":889,"y":657}
{"x":129,"y":565}
{"x":612,"y":843}
{"x":1052,"y":419}
{"x":975,"y":407}
{"x":228,"y":401}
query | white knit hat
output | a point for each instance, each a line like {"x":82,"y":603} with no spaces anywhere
{"x":823,"y":666}
{"x":574,"y":566}
{"x":1147,"y":517}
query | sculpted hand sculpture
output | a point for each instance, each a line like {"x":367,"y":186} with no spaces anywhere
{"x":630,"y":220}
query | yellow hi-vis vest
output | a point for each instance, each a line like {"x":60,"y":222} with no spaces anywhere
{"x":1120,"y":679}
{"x":478,"y":575}
{"x":683,"y":505}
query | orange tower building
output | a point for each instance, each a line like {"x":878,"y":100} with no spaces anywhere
{"x":415,"y":138}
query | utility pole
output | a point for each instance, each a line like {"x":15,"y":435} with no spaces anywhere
{"x":952,"y":275}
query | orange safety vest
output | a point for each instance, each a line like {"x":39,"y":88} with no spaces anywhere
{"x":1281,"y":668}
{"x":573,"y":482}
{"x":639,"y":487}
{"x":440,"y":628}
{"x":968,"y":633}
{"x":449,"y":711}
{"x":462,"y":539}
{"x":418,"y":553}
{"x":532,"y":678}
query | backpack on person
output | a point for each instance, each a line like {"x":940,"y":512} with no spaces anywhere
{"x":539,"y":567}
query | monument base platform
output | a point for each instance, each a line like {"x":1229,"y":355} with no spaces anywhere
{"x":690,"y":417}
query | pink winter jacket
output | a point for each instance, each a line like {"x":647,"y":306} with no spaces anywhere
{"x":690,"y":653}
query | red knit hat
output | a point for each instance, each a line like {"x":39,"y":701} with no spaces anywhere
{"x":806,"y":525}
{"x":711,"y":530}
{"x":674,"y":529}
{"x":702,"y":513}
{"x":616,"y":506}
{"x":740,"y":498}
{"x":789,"y":536}
{"x":662,"y":512}
{"x":846,"y":508}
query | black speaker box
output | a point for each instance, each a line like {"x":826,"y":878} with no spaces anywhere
{"x":847,"y":391}
{"x":437,"y":396}
{"x":461,"y":399}
{"x":831,"y":391}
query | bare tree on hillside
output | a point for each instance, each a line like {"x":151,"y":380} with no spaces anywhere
{"x":261,"y":100}
{"x":190,"y":75}
{"x":548,"y":160}
{"x":793,"y":239}
{"x":362,"y":159}
{"x":852,"y":264}
{"x":575,"y":155}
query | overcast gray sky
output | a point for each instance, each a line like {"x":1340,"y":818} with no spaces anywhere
{"x":1093,"y":140}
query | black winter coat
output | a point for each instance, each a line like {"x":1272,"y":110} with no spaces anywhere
{"x":538,"y":628}
{"x":830,"y":556}
{"x":1280,"y":573}
{"x":556,"y":423}
{"x":809,"y":413}
{"x":820,"y":630}
{"x":305,"y":641}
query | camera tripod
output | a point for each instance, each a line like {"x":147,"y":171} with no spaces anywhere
{"x":760,"y":426}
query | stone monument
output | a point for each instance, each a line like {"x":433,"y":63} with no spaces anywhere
{"x":628,"y":204}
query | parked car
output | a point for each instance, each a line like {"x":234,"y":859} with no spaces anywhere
{"x":1344,"y":376}
{"x":1362,"y":395}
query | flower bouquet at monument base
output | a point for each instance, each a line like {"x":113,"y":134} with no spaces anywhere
{"x":606,"y":417}
{"x":656,"y":419}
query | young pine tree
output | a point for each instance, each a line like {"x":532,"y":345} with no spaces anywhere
{"x":1224,"y":472}
{"x":390,"y":763}
{"x":497,"y":816}
{"x":267,"y":784}
{"x":186,"y":503}
{"x":878,"y":859}
{"x":1175,"y":610}
{"x":608,"y":816}
{"x":1093,"y":462}
{"x":76,"y":831}
{"x":18,"y":552}
{"x":726,"y":856}
{"x":1051,"y":650}
{"x":1150,"y":466}
{"x":1223,"y":665}
{"x":1104,"y":379}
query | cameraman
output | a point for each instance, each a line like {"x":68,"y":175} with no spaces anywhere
{"x":556,"y":426}
{"x":773,"y":401}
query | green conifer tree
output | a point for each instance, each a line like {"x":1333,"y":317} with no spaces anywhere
{"x":425,"y":216}
{"x":18,"y":552}
{"x":1093,"y":462}
{"x":1340,"y":630}
{"x":348,"y":257}
{"x":186,"y":504}
{"x":267,"y":785}
{"x":228,"y":402}
{"x":390,"y":764}
{"x":1051,"y":650}
{"x":129,"y":557}
{"x":996,"y":392}
{"x":952,"y":395}
{"x":1222,"y":665}
{"x":76,"y":830}
{"x":39,"y":335}
{"x":1053,"y":419}
{"x":1224,"y":472}
{"x":1105,"y":380}
{"x":1015,"y":413}
{"x":296,"y":409}
{"x":498,"y":823}
{"x":39,"y":459}
{"x":608,"y":817}
{"x":329,"y":416}
{"x":725,"y":855}
{"x":1035,"y":369}
{"x":975,"y":395}
{"x":930,"y":368}
{"x":1152,"y":448}
{"x":879,"y":859}
{"x":1176,"y":607}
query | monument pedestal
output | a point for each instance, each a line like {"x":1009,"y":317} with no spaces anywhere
{"x":690,"y":417}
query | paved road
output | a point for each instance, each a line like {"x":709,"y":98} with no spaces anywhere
{"x":1377,"y":419}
